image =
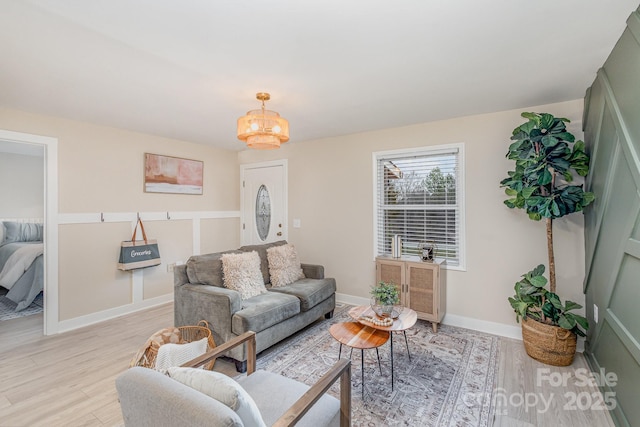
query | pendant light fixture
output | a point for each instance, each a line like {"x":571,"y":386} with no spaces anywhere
{"x":263,"y":129}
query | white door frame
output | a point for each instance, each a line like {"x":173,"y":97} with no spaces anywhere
{"x":285,"y":195}
{"x":50,"y":222}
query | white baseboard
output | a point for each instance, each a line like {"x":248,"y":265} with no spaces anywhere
{"x":351,"y":300}
{"x":494,"y":328}
{"x":101,"y":316}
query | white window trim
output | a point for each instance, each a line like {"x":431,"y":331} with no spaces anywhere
{"x":460,"y":195}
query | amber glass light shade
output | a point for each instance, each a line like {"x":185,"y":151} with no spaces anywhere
{"x":263,"y":129}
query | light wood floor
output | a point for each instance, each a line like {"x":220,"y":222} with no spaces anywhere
{"x":68,"y":379}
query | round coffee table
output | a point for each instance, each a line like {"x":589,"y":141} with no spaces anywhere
{"x":357,"y":335}
{"x":406,"y":319}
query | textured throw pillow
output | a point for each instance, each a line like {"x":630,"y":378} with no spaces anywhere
{"x":241,"y":273}
{"x":284,"y":265}
{"x":222,"y":388}
{"x":177,"y":354}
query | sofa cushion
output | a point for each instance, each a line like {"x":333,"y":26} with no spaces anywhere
{"x":262,"y":252}
{"x":275,"y":394}
{"x":265,"y":310}
{"x":311,"y":292}
{"x":223,"y":389}
{"x":207,"y":269}
{"x":284,"y":265}
{"x":241,"y":272}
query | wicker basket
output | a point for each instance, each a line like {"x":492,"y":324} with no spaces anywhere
{"x":188,"y":334}
{"x":548,"y":344}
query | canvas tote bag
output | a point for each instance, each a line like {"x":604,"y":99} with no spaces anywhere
{"x":138,"y":253}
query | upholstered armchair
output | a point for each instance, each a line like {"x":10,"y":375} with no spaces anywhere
{"x":149,"y":398}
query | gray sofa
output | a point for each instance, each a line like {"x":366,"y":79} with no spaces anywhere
{"x":200,"y":295}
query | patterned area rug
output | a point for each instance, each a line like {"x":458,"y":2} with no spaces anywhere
{"x":8,"y":307}
{"x":448,"y":382}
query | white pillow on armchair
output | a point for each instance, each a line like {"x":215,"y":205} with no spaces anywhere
{"x":223,"y":389}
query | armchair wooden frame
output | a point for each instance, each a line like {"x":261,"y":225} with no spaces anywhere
{"x":341,"y":369}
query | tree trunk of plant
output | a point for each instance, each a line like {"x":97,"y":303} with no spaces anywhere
{"x":552,"y":261}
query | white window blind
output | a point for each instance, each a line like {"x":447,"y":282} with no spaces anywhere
{"x":420,"y":196}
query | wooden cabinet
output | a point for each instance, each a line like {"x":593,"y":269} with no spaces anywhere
{"x":422,"y":285}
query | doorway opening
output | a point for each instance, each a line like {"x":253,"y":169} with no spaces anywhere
{"x":48,"y":231}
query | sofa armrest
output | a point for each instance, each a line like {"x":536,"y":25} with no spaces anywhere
{"x":195,"y":302}
{"x":313,"y":271}
{"x":180,"y":275}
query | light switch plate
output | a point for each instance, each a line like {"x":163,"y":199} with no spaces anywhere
{"x":296,"y":223}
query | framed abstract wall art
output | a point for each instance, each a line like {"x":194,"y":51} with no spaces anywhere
{"x":166,"y":174}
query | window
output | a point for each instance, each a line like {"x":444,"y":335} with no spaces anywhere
{"x":420,"y":196}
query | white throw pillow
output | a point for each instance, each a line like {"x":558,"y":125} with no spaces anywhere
{"x":241,"y":272}
{"x":223,"y":389}
{"x":284,"y":265}
{"x":178,"y":354}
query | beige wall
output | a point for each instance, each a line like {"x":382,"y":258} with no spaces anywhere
{"x":101,"y":170}
{"x":21,"y":186}
{"x":331,"y":192}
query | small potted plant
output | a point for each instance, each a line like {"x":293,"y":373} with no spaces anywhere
{"x":384,"y":297}
{"x":546,"y":157}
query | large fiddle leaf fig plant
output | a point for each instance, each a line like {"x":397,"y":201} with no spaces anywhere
{"x":546,"y":157}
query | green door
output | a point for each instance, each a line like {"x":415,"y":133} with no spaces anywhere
{"x":612,"y":226}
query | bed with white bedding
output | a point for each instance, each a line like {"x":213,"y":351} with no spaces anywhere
{"x":21,"y":261}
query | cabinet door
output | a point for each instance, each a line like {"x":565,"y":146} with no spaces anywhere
{"x":389,"y":271}
{"x":422,"y":295}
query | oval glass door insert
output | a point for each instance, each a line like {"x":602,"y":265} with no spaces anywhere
{"x":263,"y":212}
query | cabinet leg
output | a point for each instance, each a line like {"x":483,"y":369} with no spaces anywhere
{"x":434,"y":326}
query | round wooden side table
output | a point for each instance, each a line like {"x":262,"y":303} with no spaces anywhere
{"x":357,"y":335}
{"x":407,"y":318}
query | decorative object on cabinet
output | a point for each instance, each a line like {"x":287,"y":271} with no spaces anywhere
{"x":396,"y":246}
{"x":428,"y":250}
{"x":422,"y":285}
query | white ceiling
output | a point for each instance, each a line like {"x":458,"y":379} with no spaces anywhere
{"x":188,"y":69}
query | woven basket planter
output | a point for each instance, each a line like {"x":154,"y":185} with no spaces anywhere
{"x":548,"y":344}
{"x":188,"y":334}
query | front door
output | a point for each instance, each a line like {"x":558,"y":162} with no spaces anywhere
{"x":264,"y":197}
